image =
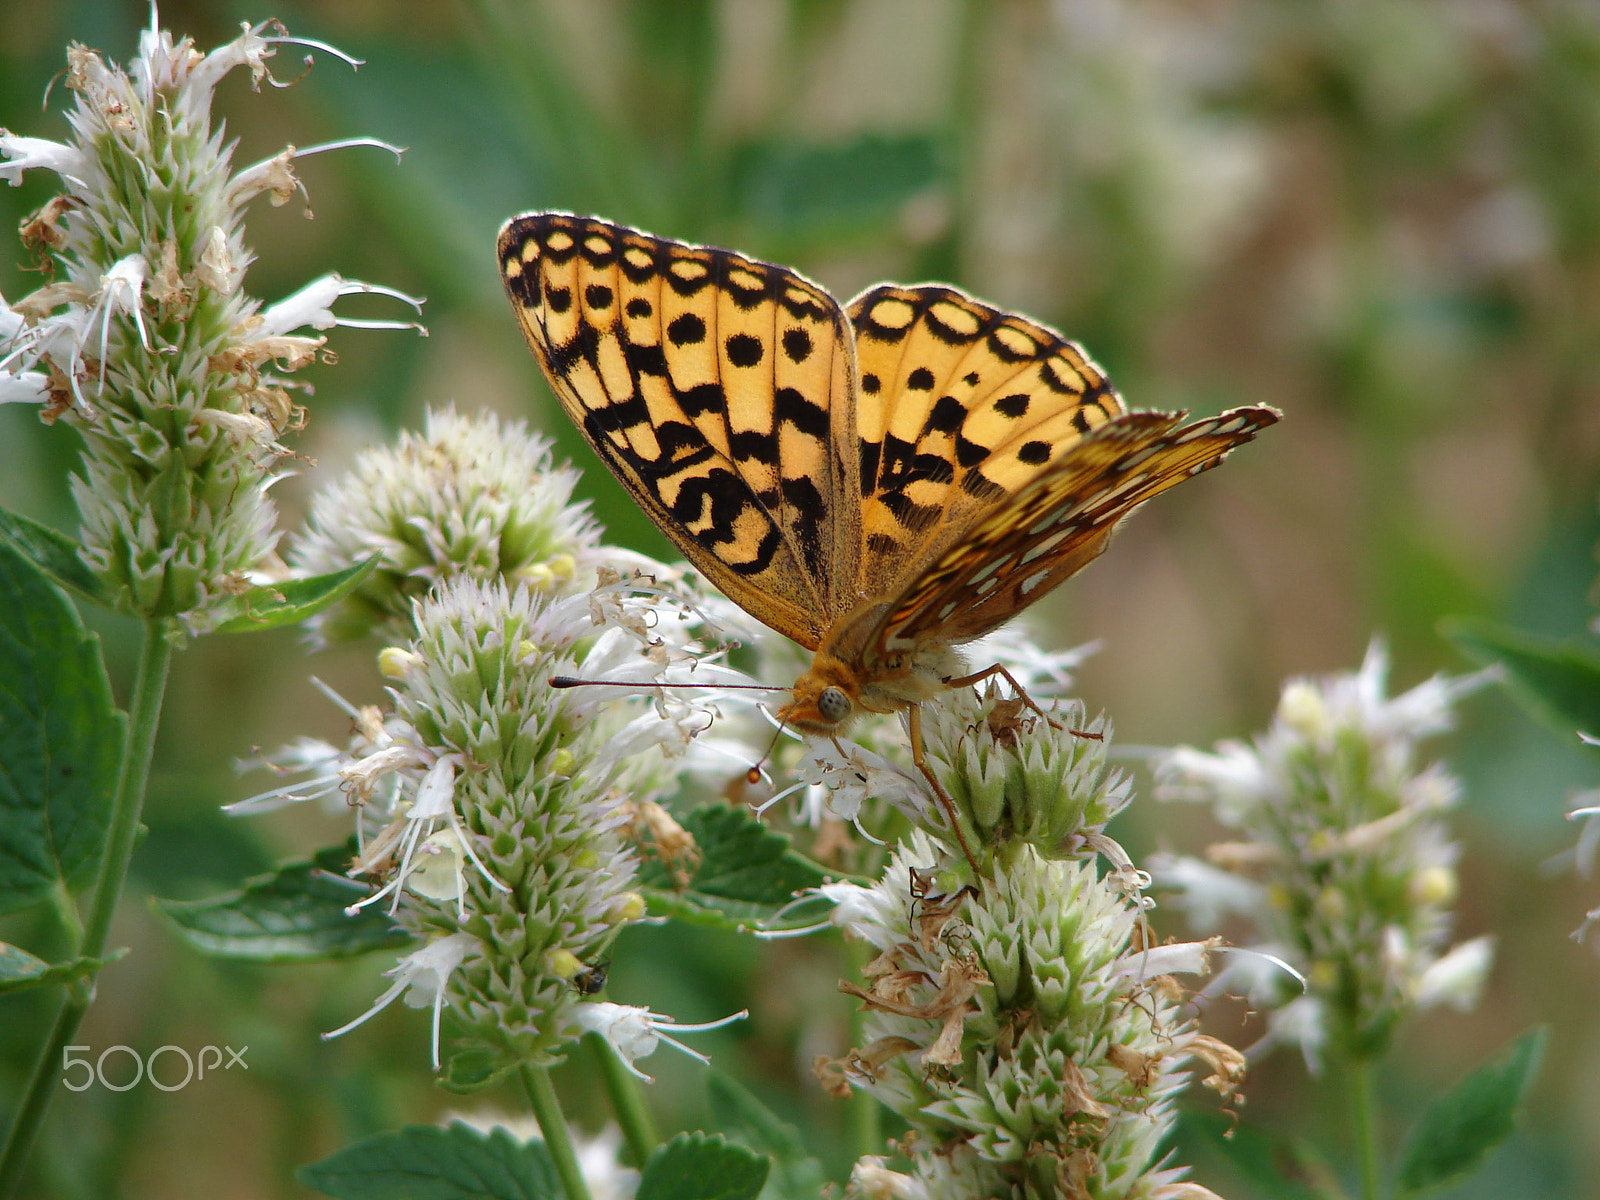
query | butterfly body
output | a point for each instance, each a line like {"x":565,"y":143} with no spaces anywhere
{"x":880,"y":482}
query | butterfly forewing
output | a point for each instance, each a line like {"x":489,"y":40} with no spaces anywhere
{"x":1056,"y":524}
{"x":718,"y":389}
{"x":961,"y":405}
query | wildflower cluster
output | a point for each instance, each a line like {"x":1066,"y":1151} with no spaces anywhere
{"x":494,"y":808}
{"x":466,"y":497}
{"x":1032,"y":1042}
{"x":146,"y":341}
{"x":1343,"y":860}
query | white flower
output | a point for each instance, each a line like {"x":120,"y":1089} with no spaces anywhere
{"x":24,"y":387}
{"x":862,"y":776}
{"x":27,"y":153}
{"x":872,"y":1179}
{"x":634,"y":1033}
{"x":422,"y":976}
{"x":1173,"y":958}
{"x":434,"y":802}
{"x":312,"y":306}
{"x":1457,"y":977}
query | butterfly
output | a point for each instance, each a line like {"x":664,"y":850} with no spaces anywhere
{"x":879,"y":482}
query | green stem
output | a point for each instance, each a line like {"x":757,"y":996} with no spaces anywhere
{"x":547,"y":1110}
{"x":150,"y":685}
{"x":864,"y":1115}
{"x":1364,"y":1118}
{"x":627,"y":1100}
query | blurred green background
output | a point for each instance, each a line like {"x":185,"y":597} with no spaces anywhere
{"x":1382,"y":216}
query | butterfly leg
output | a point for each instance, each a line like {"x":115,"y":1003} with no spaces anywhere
{"x":945,"y":802}
{"x":1022,"y":694}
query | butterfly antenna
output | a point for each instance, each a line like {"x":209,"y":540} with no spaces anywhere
{"x":755,"y":774}
{"x":568,"y":681}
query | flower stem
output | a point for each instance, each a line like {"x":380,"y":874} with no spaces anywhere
{"x":1363,"y":1117}
{"x":149,"y":687}
{"x":627,"y":1101}
{"x":547,"y":1110}
{"x":865,"y":1111}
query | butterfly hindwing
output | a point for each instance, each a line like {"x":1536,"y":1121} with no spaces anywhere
{"x":1057,"y":524}
{"x":718,"y":389}
{"x":961,"y":405}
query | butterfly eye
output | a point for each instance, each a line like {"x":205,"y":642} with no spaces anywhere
{"x":833,"y":704}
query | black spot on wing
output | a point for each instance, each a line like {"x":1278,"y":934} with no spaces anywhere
{"x":600,"y":423}
{"x":753,"y":443}
{"x":686,"y":329}
{"x":673,"y":436}
{"x":1034,"y":453}
{"x":871,"y":456}
{"x":763,"y":556}
{"x":809,"y":418}
{"x":1012,"y":406}
{"x":806,"y":508}
{"x":557,"y":299}
{"x":744,"y":350}
{"x":645,"y":360}
{"x":900,"y":466}
{"x":797,"y":345}
{"x":583,"y":344}
{"x":920,"y":380}
{"x":522,"y":282}
{"x":968,"y":453}
{"x":870,"y":384}
{"x":639,"y":308}
{"x":702,"y":398}
{"x":945,"y":416}
{"x":597,"y":295}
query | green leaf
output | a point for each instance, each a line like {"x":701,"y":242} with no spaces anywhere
{"x":1461,"y":1126}
{"x":296,"y":914}
{"x":745,"y":873}
{"x":60,"y":738}
{"x":470,"y":1070}
{"x":742,"y":1117}
{"x":55,"y":554}
{"x":20,"y":970}
{"x":1274,"y":1166}
{"x":701,"y":1166}
{"x":424,"y":1162}
{"x":1557,"y":680}
{"x":294,"y":600}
